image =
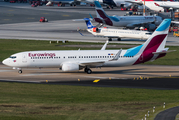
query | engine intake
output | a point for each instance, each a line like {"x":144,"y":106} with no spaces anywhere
{"x":70,"y":67}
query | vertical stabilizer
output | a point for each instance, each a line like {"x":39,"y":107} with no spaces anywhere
{"x":102,"y":17}
{"x":100,"y":13}
{"x":155,"y":43}
{"x":88,"y":23}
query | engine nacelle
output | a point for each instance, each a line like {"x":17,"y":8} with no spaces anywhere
{"x":95,"y":29}
{"x":49,"y":3}
{"x":151,"y":27}
{"x":70,"y":67}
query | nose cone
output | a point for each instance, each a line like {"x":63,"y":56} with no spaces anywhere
{"x":5,"y":62}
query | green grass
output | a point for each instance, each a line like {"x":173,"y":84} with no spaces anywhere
{"x":9,"y":47}
{"x":43,"y":101}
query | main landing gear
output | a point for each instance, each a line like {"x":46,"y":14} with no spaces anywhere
{"x":88,"y":71}
{"x":20,"y":71}
{"x":110,"y":39}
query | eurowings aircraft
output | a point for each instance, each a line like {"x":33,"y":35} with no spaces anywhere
{"x":69,"y":60}
{"x":150,"y":22}
{"x":116,"y":33}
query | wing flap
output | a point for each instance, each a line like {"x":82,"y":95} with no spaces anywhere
{"x":91,"y":63}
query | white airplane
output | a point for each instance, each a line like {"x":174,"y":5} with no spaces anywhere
{"x":158,"y":6}
{"x":74,"y":60}
{"x":109,"y":3}
{"x":116,"y":33}
{"x":62,"y":2}
{"x":150,"y":22}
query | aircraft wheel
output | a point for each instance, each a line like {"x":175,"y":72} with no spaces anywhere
{"x":89,"y":71}
{"x":119,"y":39}
{"x":20,"y":71}
{"x":110,"y":39}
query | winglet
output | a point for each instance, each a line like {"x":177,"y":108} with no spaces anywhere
{"x":117,"y":55}
{"x":104,"y":46}
{"x":91,"y":16}
{"x":156,"y":4}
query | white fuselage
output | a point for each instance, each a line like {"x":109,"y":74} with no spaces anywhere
{"x":122,"y":3}
{"x":134,"y":21}
{"x":167,"y":4}
{"x":55,"y":59}
{"x":117,"y":33}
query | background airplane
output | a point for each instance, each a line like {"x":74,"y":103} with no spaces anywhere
{"x":69,"y":60}
{"x":61,"y":2}
{"x":110,"y":3}
{"x":149,"y":22}
{"x":158,"y":6}
{"x":116,"y":33}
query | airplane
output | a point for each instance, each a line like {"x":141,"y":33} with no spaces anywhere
{"x":61,"y":2}
{"x":168,"y":5}
{"x":158,"y":6}
{"x":109,"y":3}
{"x":74,"y":60}
{"x":149,"y":22}
{"x":115,"y":33}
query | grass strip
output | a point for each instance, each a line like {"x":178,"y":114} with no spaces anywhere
{"x":44,"y":101}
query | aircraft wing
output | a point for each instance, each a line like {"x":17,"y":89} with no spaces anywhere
{"x":135,"y":2}
{"x":137,"y":24}
{"x":167,"y":6}
{"x":100,"y":62}
{"x":91,"y":63}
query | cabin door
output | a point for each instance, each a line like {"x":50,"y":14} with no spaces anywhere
{"x":24,"y":57}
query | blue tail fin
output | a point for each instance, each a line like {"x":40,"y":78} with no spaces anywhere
{"x":88,"y":23}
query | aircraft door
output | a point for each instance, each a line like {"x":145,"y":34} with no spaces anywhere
{"x":24,"y":57}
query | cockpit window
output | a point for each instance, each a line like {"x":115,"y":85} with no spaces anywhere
{"x":13,"y":57}
{"x":148,"y":33}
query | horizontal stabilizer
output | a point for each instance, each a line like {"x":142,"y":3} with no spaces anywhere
{"x":85,"y":19}
{"x":164,"y":51}
{"x":176,"y":22}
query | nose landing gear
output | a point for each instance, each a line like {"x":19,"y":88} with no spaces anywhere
{"x":20,"y":71}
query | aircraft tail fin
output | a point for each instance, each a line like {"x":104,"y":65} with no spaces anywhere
{"x":100,"y":13}
{"x":154,"y":47}
{"x":155,"y":43}
{"x":88,"y":23}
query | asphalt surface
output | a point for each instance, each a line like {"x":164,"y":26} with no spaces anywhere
{"x":20,"y":21}
{"x":168,"y":114}
{"x":142,"y":83}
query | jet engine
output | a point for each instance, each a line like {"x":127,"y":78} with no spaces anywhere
{"x":70,"y":67}
{"x":49,"y":3}
{"x":95,"y":29}
{"x":151,"y":27}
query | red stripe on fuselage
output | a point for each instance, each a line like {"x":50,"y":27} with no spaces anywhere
{"x":151,"y":47}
